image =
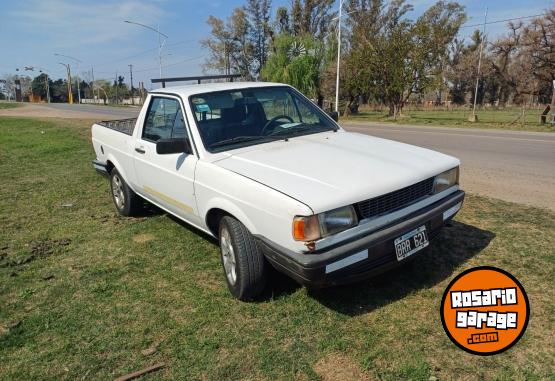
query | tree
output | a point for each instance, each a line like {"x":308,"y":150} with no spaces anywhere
{"x":296,"y":61}
{"x":230,"y":48}
{"x":9,"y":86}
{"x":58,"y":90}
{"x":538,"y":50}
{"x":259,"y":32}
{"x":281,"y":23}
{"x":393,"y":56}
{"x":312,"y":17}
{"x":38,"y":85}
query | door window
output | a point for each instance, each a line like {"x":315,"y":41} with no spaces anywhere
{"x":164,"y":120}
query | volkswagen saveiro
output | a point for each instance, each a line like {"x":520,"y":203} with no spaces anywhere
{"x":278,"y":182}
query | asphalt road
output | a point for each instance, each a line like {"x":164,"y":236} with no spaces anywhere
{"x":509,"y":165}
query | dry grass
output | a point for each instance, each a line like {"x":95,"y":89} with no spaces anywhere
{"x":505,"y":118}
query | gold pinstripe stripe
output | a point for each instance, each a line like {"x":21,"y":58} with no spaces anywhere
{"x":168,"y":199}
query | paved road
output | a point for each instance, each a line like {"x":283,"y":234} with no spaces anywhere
{"x":80,"y":111}
{"x":509,"y":165}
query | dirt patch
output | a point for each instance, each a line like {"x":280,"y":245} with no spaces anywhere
{"x":143,"y":238}
{"x":339,"y":367}
{"x":38,"y":249}
{"x":108,"y":219}
{"x":51,"y":111}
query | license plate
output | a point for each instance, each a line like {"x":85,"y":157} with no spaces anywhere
{"x":411,"y":243}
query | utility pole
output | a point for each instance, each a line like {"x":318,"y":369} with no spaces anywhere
{"x":78,"y":79}
{"x":473,"y":117}
{"x":92,"y":83}
{"x":47,"y":85}
{"x":131,"y":75}
{"x":69,"y":90}
{"x":338,"y":56}
{"x":117,"y":85}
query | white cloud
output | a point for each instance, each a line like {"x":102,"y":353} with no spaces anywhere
{"x":69,"y":23}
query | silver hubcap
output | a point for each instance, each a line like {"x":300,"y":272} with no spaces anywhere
{"x":117,"y":191}
{"x":228,"y":256}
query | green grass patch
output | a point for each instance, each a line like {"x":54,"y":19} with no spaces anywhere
{"x":83,"y":291}
{"x":6,"y":105}
{"x":488,"y":118}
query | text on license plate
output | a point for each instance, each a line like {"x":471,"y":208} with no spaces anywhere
{"x":411,"y":242}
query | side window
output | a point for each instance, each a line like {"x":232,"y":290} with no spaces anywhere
{"x":164,"y":120}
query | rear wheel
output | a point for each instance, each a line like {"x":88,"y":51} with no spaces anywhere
{"x":127,"y":202}
{"x":244,"y":265}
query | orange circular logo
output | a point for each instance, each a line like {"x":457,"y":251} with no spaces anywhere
{"x":485,"y":310}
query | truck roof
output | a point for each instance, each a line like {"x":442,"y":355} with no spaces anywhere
{"x":187,"y":90}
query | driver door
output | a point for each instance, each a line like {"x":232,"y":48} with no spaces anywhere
{"x":166,"y":179}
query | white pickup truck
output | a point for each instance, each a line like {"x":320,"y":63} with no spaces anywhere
{"x":278,"y":182}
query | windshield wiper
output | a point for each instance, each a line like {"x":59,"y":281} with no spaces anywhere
{"x":236,"y":139}
{"x":299,"y":128}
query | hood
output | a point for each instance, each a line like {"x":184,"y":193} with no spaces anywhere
{"x":330,"y":170}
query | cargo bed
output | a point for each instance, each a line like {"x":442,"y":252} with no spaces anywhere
{"x":125,"y":126}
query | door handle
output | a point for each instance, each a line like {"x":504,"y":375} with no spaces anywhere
{"x":140,"y":150}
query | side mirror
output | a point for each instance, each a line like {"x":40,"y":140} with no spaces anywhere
{"x":334,"y":115}
{"x":174,"y":145}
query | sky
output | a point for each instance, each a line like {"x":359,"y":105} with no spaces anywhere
{"x":32,"y":31}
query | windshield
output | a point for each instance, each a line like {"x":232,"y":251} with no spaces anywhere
{"x":241,"y":117}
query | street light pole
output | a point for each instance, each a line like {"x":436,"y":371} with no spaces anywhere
{"x":338,"y":56}
{"x":161,"y":42}
{"x":78,"y":79}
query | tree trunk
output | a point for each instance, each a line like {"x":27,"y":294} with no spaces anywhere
{"x":320,"y":100}
{"x":393,"y":110}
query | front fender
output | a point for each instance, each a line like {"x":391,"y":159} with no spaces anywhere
{"x":231,"y":208}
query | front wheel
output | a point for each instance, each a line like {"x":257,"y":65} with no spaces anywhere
{"x":244,"y":265}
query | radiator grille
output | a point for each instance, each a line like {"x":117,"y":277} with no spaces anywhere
{"x":395,"y":200}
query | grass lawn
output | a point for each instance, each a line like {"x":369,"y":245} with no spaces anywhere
{"x":83,"y":292}
{"x":459,"y":118}
{"x":5,"y":105}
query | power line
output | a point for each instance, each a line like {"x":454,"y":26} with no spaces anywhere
{"x":172,"y":64}
{"x":141,"y":53}
{"x":500,"y":21}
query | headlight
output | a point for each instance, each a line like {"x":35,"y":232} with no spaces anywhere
{"x":446,"y":180}
{"x":324,"y":224}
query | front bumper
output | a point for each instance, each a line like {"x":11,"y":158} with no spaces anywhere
{"x":344,"y":264}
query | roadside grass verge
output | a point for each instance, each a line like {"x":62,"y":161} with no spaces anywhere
{"x":498,"y":119}
{"x":83,"y":291}
{"x":6,"y":105}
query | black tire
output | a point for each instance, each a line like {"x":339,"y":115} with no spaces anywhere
{"x":249,"y":263}
{"x":127,"y":202}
